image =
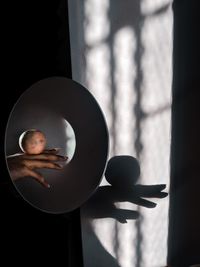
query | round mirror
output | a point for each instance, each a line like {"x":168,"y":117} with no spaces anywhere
{"x":56,"y":145}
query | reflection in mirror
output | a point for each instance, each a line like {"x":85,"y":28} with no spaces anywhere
{"x":40,"y":145}
{"x":33,"y":141}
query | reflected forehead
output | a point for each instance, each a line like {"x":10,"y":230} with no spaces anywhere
{"x":38,"y":135}
{"x":35,"y":135}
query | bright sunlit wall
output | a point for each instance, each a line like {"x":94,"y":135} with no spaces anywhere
{"x":122,"y":52}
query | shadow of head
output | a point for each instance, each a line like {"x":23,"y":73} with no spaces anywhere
{"x":122,"y":171}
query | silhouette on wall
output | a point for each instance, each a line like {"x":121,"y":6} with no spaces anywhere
{"x":122,"y":173}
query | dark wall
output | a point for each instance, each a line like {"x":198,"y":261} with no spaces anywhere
{"x":184,"y":227}
{"x":37,"y":46}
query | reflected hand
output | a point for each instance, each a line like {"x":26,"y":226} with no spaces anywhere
{"x":23,"y":165}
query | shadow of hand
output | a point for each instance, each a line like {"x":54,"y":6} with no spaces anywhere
{"x":122,"y":173}
{"x":138,"y":194}
{"x":102,"y":203}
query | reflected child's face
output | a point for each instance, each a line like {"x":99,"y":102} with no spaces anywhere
{"x":32,"y":142}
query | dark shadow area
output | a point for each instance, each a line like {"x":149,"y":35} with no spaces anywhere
{"x":36,"y":47}
{"x":184,"y":219}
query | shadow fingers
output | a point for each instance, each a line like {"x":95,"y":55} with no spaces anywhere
{"x":143,"y":202}
{"x":122,"y":215}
